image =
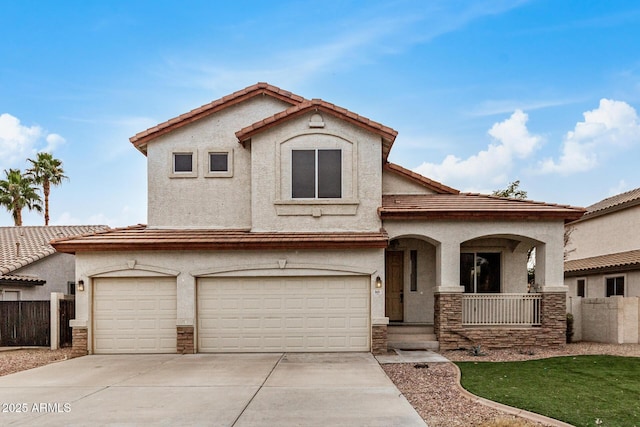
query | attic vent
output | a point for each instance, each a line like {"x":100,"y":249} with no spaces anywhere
{"x":316,"y":121}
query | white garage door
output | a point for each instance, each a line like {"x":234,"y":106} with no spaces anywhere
{"x":134,"y":315}
{"x":283,"y":314}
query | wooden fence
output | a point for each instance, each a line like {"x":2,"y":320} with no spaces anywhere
{"x":67,"y":312}
{"x":25,"y":323}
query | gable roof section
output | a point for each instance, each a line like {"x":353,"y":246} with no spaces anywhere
{"x":420,"y":179}
{"x":387,"y":134}
{"x":21,"y":246}
{"x":141,"y":238}
{"x":613,"y":204}
{"x":621,"y":261}
{"x":468,"y":206}
{"x":141,"y":139}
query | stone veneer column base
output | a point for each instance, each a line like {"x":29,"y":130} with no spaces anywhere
{"x":185,"y":343}
{"x":452,"y":334}
{"x":79,"y":346}
{"x":379,"y":339}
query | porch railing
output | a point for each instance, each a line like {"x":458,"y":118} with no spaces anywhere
{"x":501,"y":309}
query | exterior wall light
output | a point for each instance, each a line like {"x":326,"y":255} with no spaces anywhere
{"x":378,"y":282}
{"x":81,"y":285}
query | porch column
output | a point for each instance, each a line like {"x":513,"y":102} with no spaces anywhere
{"x":186,"y":312}
{"x":448,"y":295}
{"x":550,"y":279}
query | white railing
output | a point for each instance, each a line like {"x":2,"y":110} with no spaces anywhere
{"x":501,"y":309}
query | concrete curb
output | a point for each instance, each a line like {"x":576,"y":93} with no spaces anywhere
{"x":531,"y":416}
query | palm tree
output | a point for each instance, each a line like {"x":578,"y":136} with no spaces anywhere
{"x":46,"y":171}
{"x":18,"y":191}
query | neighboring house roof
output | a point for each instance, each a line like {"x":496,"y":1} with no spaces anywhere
{"x":142,"y":238}
{"x":613,"y":204}
{"x":141,"y":139}
{"x":21,"y":246}
{"x":472,"y":206}
{"x":387,"y":134}
{"x":419,"y":179}
{"x":621,"y":261}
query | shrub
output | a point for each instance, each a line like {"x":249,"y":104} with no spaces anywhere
{"x":569,"y":328}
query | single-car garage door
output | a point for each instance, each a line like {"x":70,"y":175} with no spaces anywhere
{"x":134,"y":315}
{"x":283,"y":314}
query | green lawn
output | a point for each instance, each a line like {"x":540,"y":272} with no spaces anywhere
{"x":576,"y":389}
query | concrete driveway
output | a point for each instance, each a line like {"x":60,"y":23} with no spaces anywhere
{"x":291,"y":389}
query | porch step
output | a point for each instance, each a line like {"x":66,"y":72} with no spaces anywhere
{"x":412,"y":337}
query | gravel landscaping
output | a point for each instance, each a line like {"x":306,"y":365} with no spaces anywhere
{"x":12,"y":361}
{"x":433,"y":392}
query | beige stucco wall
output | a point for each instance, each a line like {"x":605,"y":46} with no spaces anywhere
{"x":273,"y":208}
{"x":393,"y":183}
{"x":447,"y":236}
{"x":614,"y":232}
{"x":57,"y":269}
{"x":202,"y":201}
{"x":613,"y":320}
{"x":596,"y":284}
{"x":186,"y":266}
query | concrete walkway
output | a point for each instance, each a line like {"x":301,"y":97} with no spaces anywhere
{"x":310,"y":389}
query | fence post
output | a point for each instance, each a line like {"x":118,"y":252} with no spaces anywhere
{"x":55,"y":319}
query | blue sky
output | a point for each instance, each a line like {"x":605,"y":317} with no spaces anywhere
{"x":482,"y":93}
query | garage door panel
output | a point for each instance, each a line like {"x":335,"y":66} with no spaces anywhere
{"x":134,"y":315}
{"x":283,"y":314}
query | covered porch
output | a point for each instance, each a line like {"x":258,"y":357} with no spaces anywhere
{"x":476,"y":284}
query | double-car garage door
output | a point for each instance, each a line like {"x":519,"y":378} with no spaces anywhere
{"x":257,"y":314}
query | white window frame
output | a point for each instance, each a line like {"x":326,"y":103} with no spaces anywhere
{"x":194,"y":164}
{"x":13,"y":291}
{"x":218,"y":174}
{"x":585,"y":286}
{"x":613,"y":276}
{"x":316,"y":151}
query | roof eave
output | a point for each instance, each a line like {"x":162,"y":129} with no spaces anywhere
{"x":474,"y":215}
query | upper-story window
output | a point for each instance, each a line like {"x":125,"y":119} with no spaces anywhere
{"x":219,"y":163}
{"x":316,"y":174}
{"x":183,"y":163}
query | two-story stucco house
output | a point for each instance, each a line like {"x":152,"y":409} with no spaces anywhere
{"x":276,"y":223}
{"x":602,"y":270}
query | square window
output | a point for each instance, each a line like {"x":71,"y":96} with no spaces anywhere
{"x":182,"y":162}
{"x":218,"y":162}
{"x":615,"y":286}
{"x":316,"y":174}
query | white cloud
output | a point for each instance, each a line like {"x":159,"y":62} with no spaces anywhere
{"x":619,"y":188}
{"x":18,"y":142}
{"x":122,"y":218}
{"x":613,"y":125}
{"x":489,"y":167}
{"x":53,"y":141}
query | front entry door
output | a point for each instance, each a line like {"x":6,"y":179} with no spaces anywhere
{"x":394,"y":268}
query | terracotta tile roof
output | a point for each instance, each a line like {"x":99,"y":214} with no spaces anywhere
{"x":471,"y":206}
{"x":620,"y":261}
{"x":141,"y":139}
{"x":419,"y":179}
{"x":21,"y":246}
{"x":22,"y":280}
{"x":387,"y":134}
{"x":614,"y":203}
{"x":142,"y":238}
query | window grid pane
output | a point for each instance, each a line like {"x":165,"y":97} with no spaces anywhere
{"x":218,"y":162}
{"x":303,"y":174}
{"x":329,"y":174}
{"x":183,"y":162}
